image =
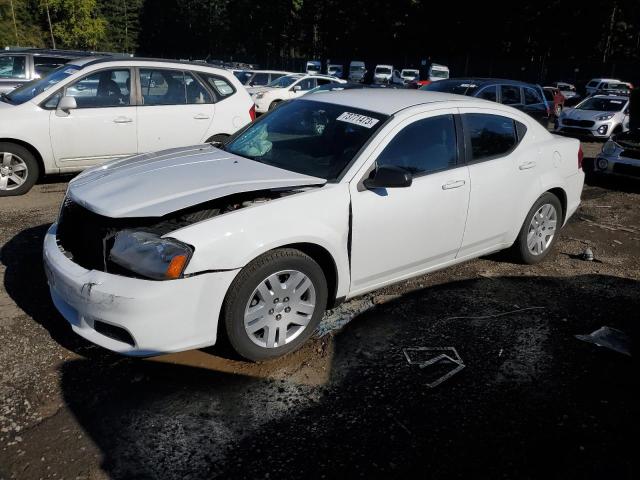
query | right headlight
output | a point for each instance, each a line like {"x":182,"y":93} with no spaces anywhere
{"x":610,"y":147}
{"x":149,"y":255}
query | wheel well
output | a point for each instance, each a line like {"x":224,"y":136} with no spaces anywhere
{"x":31,"y":149}
{"x":326,"y":262}
{"x":562,"y":196}
{"x":617,"y":129}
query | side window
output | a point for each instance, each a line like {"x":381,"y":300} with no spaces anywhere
{"x":13,"y":66}
{"x":196,"y":93}
{"x":490,"y":135}
{"x":592,"y":84}
{"x":43,"y":65}
{"x":531,"y":97}
{"x":324,"y":81}
{"x":489,"y":93}
{"x":425,"y":146}
{"x":107,"y":88}
{"x":510,"y":95}
{"x":307,"y":84}
{"x":163,"y":87}
{"x":221,"y":88}
{"x":260,"y":79}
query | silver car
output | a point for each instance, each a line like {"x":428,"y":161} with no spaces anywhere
{"x":620,"y":156}
{"x":599,"y":116}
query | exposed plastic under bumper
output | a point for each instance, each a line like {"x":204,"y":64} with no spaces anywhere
{"x":161,"y":316}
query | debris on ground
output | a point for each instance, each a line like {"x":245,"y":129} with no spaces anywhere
{"x":486,"y":317}
{"x":587,"y":255}
{"x":610,"y":338}
{"x":337,"y":318}
{"x":430,"y":357}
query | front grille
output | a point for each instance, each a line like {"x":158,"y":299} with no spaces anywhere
{"x":624,"y":169}
{"x":87,"y":237}
{"x":578,"y":123}
{"x":575,"y":131}
{"x":629,"y":153}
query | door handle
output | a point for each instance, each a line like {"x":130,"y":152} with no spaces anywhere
{"x":122,"y":120}
{"x":453,"y":184}
{"x":201,"y":116}
{"x":526,"y":165}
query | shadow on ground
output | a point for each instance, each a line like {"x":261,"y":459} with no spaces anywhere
{"x":533,"y":402}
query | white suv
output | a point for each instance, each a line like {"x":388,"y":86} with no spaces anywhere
{"x":96,"y":109}
{"x":287,"y":88}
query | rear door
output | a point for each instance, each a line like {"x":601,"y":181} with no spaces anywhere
{"x":175,"y":109}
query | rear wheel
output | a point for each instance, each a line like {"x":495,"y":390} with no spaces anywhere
{"x":274,"y":304}
{"x":540,"y":230}
{"x":19,"y":170}
{"x":273,"y":105}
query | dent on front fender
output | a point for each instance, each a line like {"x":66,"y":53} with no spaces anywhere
{"x":318,"y":216}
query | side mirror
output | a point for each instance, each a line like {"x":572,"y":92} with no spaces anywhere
{"x":389,"y":176}
{"x":66,"y":104}
{"x":297,"y":88}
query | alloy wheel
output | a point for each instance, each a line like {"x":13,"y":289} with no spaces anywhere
{"x":542,"y":229}
{"x":13,"y":171}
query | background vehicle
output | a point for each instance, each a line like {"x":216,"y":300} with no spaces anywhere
{"x":337,"y":87}
{"x":620,"y":156}
{"x":613,"y":88}
{"x":355,"y":170}
{"x":599,"y":116}
{"x":335,"y":70}
{"x":438,"y":72}
{"x":566,"y":89}
{"x":598,"y":83}
{"x":18,"y":67}
{"x":314,"y":67}
{"x":555,"y":99}
{"x":357,"y":71}
{"x":258,"y":78}
{"x":287,"y":88}
{"x":524,"y":96}
{"x":92,"y":110}
{"x":383,"y":74}
{"x":410,"y":75}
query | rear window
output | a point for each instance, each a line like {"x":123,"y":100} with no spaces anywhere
{"x":383,"y":71}
{"x":219,"y":85}
{"x":490,"y":135}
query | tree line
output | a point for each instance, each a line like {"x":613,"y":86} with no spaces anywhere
{"x":275,"y":31}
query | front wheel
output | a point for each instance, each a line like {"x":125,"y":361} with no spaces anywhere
{"x":540,"y":230}
{"x":274,"y":304}
{"x":19,"y":170}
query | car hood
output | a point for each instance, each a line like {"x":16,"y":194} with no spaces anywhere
{"x":153,"y":185}
{"x":584,"y":114}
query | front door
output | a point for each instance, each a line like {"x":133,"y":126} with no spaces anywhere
{"x":176,"y":110}
{"x":400,"y":232}
{"x":103,"y":126}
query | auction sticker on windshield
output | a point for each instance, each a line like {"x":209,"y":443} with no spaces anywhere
{"x":361,"y":120}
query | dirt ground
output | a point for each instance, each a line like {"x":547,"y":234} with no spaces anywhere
{"x":531,"y":402}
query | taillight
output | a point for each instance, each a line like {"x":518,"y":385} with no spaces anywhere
{"x":580,"y":157}
{"x":252,"y":112}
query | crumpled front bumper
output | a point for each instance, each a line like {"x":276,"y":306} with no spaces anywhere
{"x":160,"y":316}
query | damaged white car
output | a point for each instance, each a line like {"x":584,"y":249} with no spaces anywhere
{"x":321,"y":200}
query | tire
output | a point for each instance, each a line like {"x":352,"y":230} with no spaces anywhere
{"x":272,"y":308}
{"x":274,"y":105}
{"x":521,"y":247}
{"x":16,"y":162}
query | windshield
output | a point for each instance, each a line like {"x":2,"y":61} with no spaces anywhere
{"x":459,"y":88}
{"x":439,"y":74}
{"x":29,"y":90}
{"x":313,"y":138}
{"x":602,"y":104}
{"x":383,"y":70}
{"x":313,"y":68}
{"x":616,"y":86}
{"x":243,"y":76}
{"x":356,"y":68}
{"x":283,"y":82}
{"x":409,"y":73}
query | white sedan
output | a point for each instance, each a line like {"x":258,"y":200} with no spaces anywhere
{"x":323,"y":199}
{"x":95,"y":109}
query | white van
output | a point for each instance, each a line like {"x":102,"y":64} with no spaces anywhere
{"x":357,"y":71}
{"x":383,"y":74}
{"x":438,"y":72}
{"x":314,"y":67}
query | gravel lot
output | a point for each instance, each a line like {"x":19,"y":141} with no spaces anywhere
{"x":532,"y":402}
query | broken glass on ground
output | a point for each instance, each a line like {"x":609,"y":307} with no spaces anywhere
{"x":442,"y":362}
{"x":610,"y":338}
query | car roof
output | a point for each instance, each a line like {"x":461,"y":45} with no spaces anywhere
{"x":604,"y":80}
{"x":490,"y":81}
{"x":87,"y":61}
{"x":54,"y":53}
{"x":612,"y":97}
{"x":386,"y":101}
